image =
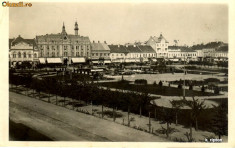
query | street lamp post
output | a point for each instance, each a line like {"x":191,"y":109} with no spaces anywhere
{"x":184,"y":79}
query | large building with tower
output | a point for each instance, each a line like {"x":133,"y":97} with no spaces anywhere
{"x":63,"y":47}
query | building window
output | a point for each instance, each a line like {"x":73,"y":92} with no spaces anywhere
{"x":81,"y":53}
{"x":72,"y":54}
{"x":19,"y":55}
{"x":93,"y":54}
{"x":14,"y":55}
{"x":65,"y":53}
{"x":57,"y":53}
{"x":29,"y":55}
{"x":97,"y":54}
{"x":35,"y":55}
{"x":65,"y":47}
{"x":47,"y":46}
{"x":24,"y":54}
{"x":53,"y":54}
{"x":101,"y":54}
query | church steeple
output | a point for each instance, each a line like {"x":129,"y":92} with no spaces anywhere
{"x":76,"y":28}
{"x":63,"y":30}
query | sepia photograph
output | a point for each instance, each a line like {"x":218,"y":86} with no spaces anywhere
{"x":118,"y":72}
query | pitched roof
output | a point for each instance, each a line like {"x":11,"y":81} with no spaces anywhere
{"x":59,"y":36}
{"x":19,"y":39}
{"x":173,"y":47}
{"x":100,"y":46}
{"x":182,"y":48}
{"x":146,"y":49}
{"x":186,"y":49}
{"x":117,"y":49}
{"x":132,"y":49}
{"x":159,"y":39}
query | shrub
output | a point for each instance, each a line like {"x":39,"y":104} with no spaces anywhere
{"x":203,"y":89}
{"x":141,"y":81}
{"x":180,"y":86}
{"x":216,"y":90}
{"x":212,"y":80}
{"x":154,"y":83}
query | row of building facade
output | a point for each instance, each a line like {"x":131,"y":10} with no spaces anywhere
{"x":77,"y":49}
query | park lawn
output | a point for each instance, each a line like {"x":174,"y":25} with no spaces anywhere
{"x":155,"y":89}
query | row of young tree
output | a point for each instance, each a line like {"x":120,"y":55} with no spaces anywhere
{"x":138,"y":103}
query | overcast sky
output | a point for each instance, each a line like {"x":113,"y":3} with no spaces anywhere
{"x":124,"y":22}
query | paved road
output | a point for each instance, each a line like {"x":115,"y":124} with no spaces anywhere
{"x":62,"y":124}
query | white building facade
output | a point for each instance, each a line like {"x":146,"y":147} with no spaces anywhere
{"x":160,"y":45}
{"x":21,"y":49}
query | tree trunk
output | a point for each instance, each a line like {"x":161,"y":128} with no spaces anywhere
{"x":155,"y":113}
{"x":149,"y":123}
{"x":33,"y":93}
{"x":191,"y":132}
{"x":56,"y":99}
{"x":102,"y":110}
{"x":196,"y":125}
{"x":176,"y":118}
{"x":64,"y":101}
{"x":48,"y":98}
{"x":73,"y":103}
{"x":167,"y":129}
{"x":91,"y":108}
{"x":128,"y":116}
{"x":113,"y":115}
{"x":140,"y":111}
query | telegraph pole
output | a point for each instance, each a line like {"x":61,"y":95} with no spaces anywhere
{"x":184,"y":79}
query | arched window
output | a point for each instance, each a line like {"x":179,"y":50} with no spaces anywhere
{"x":35,"y":55}
{"x":19,"y":55}
{"x":24,"y":55}
{"x":14,"y":55}
{"x":29,"y":55}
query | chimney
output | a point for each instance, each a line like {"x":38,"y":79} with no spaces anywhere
{"x":93,"y":41}
{"x":98,"y":41}
{"x":105,"y":42}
